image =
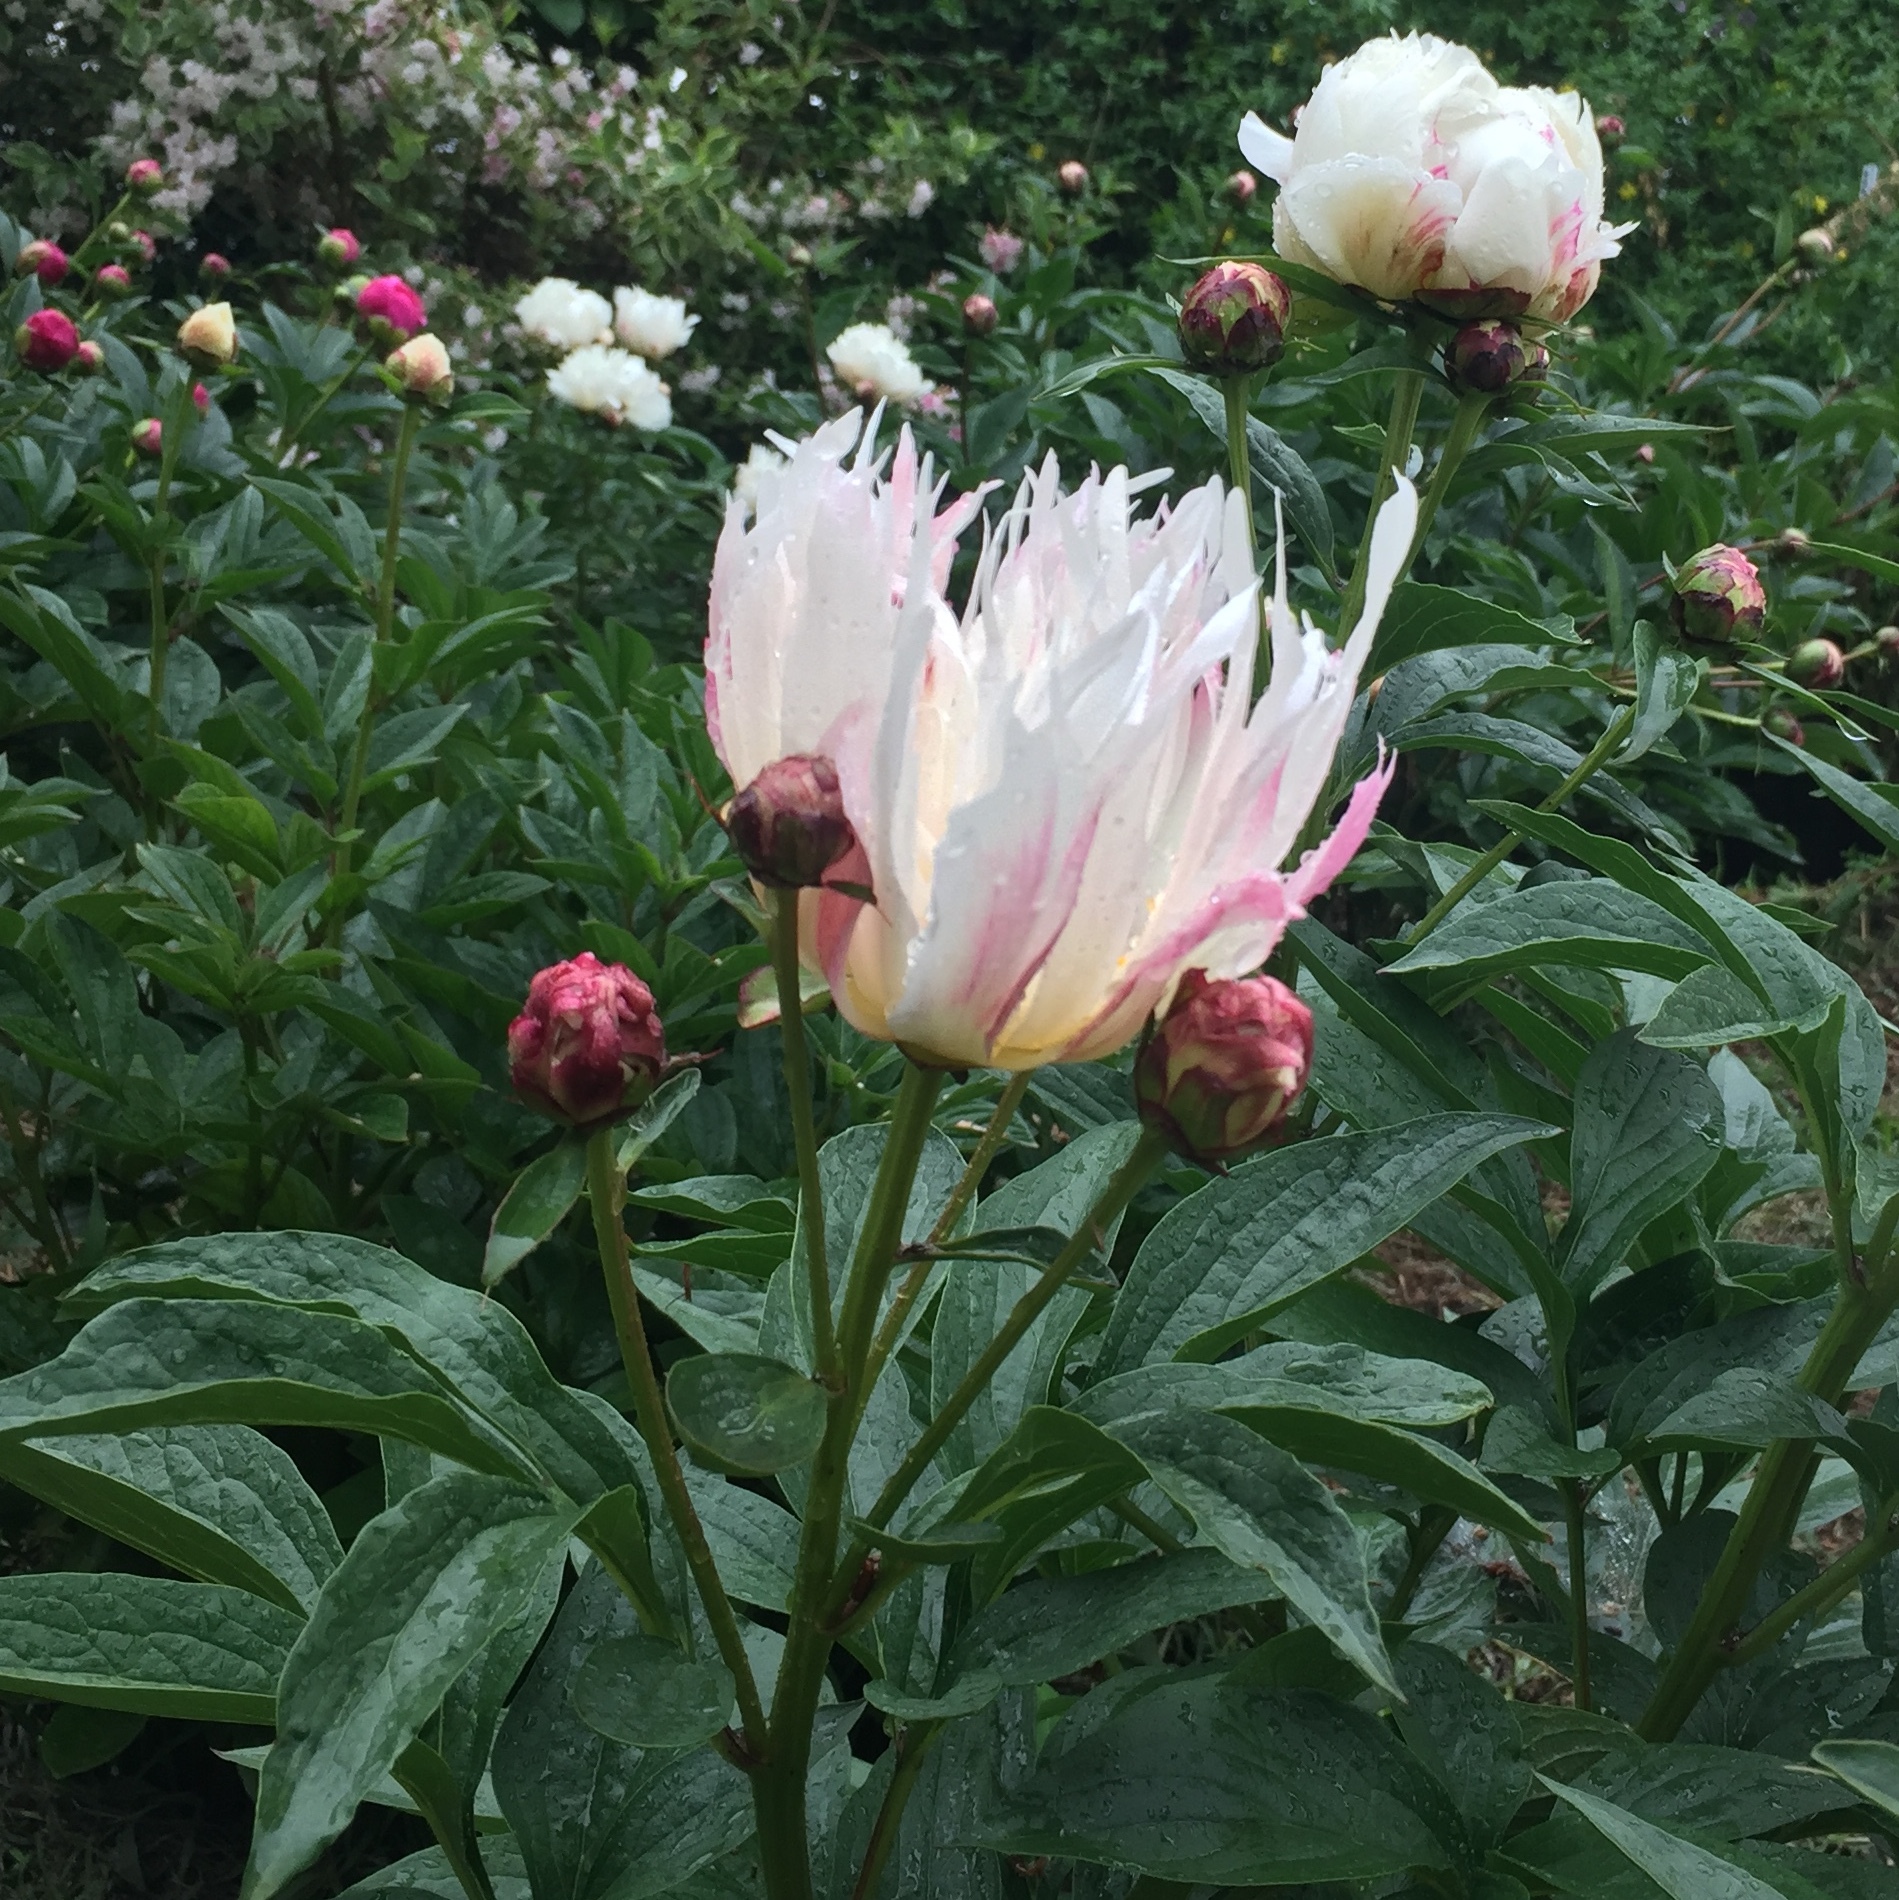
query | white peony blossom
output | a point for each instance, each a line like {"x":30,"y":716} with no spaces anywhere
{"x":762,"y":461}
{"x":870,"y":359}
{"x":650,"y":326}
{"x":1413,"y":173}
{"x":559,"y":313}
{"x":601,"y":381}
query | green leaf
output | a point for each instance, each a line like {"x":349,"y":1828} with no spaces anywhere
{"x":1665,"y":683}
{"x":1465,"y":1733}
{"x":1053,"y":1626}
{"x":533,"y":1207}
{"x":1869,"y":1768}
{"x":219,"y":1502}
{"x":1229,"y":1256}
{"x":1875,"y":806}
{"x":77,"y":1739}
{"x":1589,"y":922}
{"x":1711,"y":1007}
{"x":1680,"y":1868}
{"x":594,"y":1819}
{"x":209,"y":1362}
{"x":1422,"y":619}
{"x":149,"y":1645}
{"x":424,"y":1587}
{"x":428,"y":1876}
{"x":739,"y":1412}
{"x":644,"y":1692}
{"x":1649,"y":1126}
{"x":654,"y":1116}
{"x":1191,"y":1780}
{"x":1259,"y":1506}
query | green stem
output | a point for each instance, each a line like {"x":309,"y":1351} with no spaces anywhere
{"x":890,"y":1331}
{"x":1135,"y":1518}
{"x":1235,"y":390}
{"x":1612,"y":737}
{"x":1819,"y":1596}
{"x":778,"y":1797}
{"x":1465,"y":424}
{"x":385,"y":620}
{"x":1406,"y":394}
{"x":1125,"y":1183}
{"x":1767,"y":1513}
{"x":1435,"y":1523}
{"x":912,"y":1748}
{"x":606,"y":1191}
{"x":804,"y":1134}
{"x":172,"y":427}
{"x":1575,"y":1519}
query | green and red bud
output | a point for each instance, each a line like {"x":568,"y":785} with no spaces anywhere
{"x":1487,"y":358}
{"x":788,"y":826}
{"x":1220,"y":1071}
{"x":145,"y":177}
{"x":47,"y":341}
{"x":42,"y":258}
{"x":1718,"y":597}
{"x":980,"y":315}
{"x":1233,"y":321}
{"x":1817,"y":664}
{"x":588,"y":1046}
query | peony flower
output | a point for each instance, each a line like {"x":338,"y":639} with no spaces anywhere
{"x":208,"y":337}
{"x":145,"y":177}
{"x":588,"y":1044}
{"x":601,"y":381}
{"x":1413,"y":174}
{"x":1001,"y":250}
{"x":339,"y":248}
{"x":1065,"y":799}
{"x":420,"y":369}
{"x":148,"y":437}
{"x":47,"y":341}
{"x":559,"y":313}
{"x":650,"y":326}
{"x":213,"y":267}
{"x":760,"y":461}
{"x":392,"y":312}
{"x":42,"y":258}
{"x":89,"y":359}
{"x":788,"y":826}
{"x":112,"y":280}
{"x":1718,"y":597}
{"x":980,"y":315}
{"x":1233,"y":321}
{"x":871,"y":361}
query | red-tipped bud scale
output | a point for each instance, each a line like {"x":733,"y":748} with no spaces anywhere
{"x":588,"y":1046}
{"x":1233,"y":321}
{"x":1718,"y":597}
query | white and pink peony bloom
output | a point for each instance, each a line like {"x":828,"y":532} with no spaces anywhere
{"x":1064,"y":798}
{"x":1413,"y":174}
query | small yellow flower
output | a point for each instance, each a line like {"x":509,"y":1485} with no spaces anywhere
{"x":1626,"y":190}
{"x":1038,"y":151}
{"x":1819,"y":204}
{"x":1280,"y":53}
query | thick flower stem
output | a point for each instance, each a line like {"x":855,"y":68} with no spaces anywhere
{"x":1613,"y":735}
{"x":606,"y":1191}
{"x":804,"y":1133}
{"x":1406,"y":394}
{"x":1236,"y":389}
{"x":1469,"y":419}
{"x":1767,"y":1514}
{"x":1576,"y":1535}
{"x":1126,"y":1182}
{"x":912,"y":1746}
{"x":385,"y":620}
{"x":1827,"y":1589}
{"x":778,"y":1796}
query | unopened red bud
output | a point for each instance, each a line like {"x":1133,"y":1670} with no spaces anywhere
{"x":390,"y":311}
{"x":1233,"y":321}
{"x":47,"y":341}
{"x":89,"y":358}
{"x":42,"y":258}
{"x":1072,"y":177}
{"x":1718,"y":597}
{"x":788,"y":826}
{"x":980,"y":316}
{"x":113,"y":281}
{"x":145,"y":244}
{"x":1242,"y":187}
{"x":200,"y":398}
{"x":148,"y":437}
{"x":339,"y":248}
{"x":1609,"y":128}
{"x":1486,"y":358}
{"x":588,"y":1046}
{"x":1783,"y":725}
{"x":1816,"y":663}
{"x":1222,"y":1068}
{"x":146,"y":176}
{"x":214,"y":267}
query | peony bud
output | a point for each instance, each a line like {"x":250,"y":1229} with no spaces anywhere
{"x":1792,"y":541}
{"x":1718,"y":597}
{"x":1233,"y":321}
{"x":1816,"y":663}
{"x":1072,"y":176}
{"x":113,"y":281}
{"x":1783,"y":725}
{"x":119,"y":231}
{"x":148,"y":437}
{"x":588,"y":1046}
{"x":799,"y":257}
{"x":979,"y":315}
{"x":1486,"y":358}
{"x":145,"y":244}
{"x":1609,"y":128}
{"x":390,"y":310}
{"x":1816,"y":245}
{"x":89,"y":358}
{"x":145,"y":176}
{"x":47,"y":341}
{"x":214,"y":267}
{"x":1220,"y":1070}
{"x":1242,"y":187}
{"x":339,"y":248}
{"x":1887,"y":639}
{"x":200,"y":398}
{"x":42,"y":258}
{"x":208,"y":337}
{"x":420,"y":370}
{"x":788,"y":826}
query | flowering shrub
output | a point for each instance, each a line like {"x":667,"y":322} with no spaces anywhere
{"x":783,"y":1012}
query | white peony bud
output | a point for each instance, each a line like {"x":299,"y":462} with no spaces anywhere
{"x":650,"y":326}
{"x":559,"y":313}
